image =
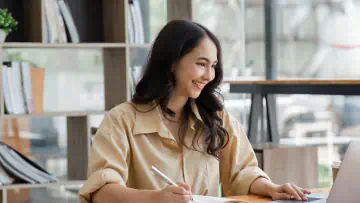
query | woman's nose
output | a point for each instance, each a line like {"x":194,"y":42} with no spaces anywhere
{"x":207,"y":74}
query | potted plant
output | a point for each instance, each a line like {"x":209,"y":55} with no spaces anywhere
{"x":7,"y":24}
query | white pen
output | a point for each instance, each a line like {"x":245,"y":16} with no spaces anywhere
{"x":165,"y":178}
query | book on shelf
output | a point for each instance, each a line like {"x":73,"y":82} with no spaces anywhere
{"x":22,"y":87}
{"x":135,"y":23}
{"x":59,"y":23}
{"x":52,"y":19}
{"x":69,"y":21}
{"x":27,"y":87}
{"x":130,"y":25}
{"x":17,"y":168}
{"x":37,"y":88}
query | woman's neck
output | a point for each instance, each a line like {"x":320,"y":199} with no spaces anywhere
{"x":176,"y":104}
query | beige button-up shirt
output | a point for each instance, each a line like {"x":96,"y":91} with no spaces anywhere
{"x":128,"y":142}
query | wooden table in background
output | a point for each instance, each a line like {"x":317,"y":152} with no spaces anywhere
{"x":285,"y":163}
{"x":260,"y":199}
{"x":269,"y":88}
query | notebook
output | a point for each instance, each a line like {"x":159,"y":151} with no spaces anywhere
{"x":209,"y":199}
{"x":17,"y":168}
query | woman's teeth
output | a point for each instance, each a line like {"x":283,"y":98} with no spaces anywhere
{"x":198,"y":84}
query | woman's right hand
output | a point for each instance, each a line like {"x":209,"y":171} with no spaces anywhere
{"x":174,"y":194}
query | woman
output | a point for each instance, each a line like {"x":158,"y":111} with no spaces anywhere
{"x":177,"y":123}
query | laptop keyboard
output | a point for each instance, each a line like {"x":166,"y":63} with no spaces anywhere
{"x":311,"y":199}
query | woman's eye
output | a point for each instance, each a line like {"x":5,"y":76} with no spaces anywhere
{"x":201,"y":64}
{"x":213,"y":66}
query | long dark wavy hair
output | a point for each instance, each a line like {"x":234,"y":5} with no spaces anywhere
{"x":175,"y":40}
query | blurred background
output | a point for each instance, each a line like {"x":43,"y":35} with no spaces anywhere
{"x":313,"y":39}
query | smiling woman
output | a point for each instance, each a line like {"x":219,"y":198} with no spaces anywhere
{"x":196,"y":69}
{"x":177,"y":123}
{"x":189,"y":68}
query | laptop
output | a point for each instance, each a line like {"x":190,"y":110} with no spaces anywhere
{"x":347,"y":183}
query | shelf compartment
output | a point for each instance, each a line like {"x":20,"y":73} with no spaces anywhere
{"x":28,"y":186}
{"x":29,"y":27}
{"x":73,"y":80}
{"x":55,"y":114}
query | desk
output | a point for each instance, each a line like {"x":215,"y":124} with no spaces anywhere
{"x":266,"y":89}
{"x":259,"y":199}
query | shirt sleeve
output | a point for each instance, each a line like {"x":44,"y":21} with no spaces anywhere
{"x":238,"y":163}
{"x":109,"y":158}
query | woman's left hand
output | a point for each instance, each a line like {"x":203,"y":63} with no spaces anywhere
{"x":288,"y":191}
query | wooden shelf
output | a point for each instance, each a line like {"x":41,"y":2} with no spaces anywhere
{"x":64,"y":45}
{"x":139,"y":45}
{"x":48,"y":153}
{"x":55,"y":184}
{"x":55,"y":114}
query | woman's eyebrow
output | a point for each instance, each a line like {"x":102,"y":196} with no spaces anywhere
{"x":206,"y":59}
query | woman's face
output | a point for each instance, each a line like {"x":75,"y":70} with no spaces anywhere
{"x":196,"y":69}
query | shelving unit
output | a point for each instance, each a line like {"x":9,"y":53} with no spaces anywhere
{"x":105,"y":30}
{"x":101,"y":25}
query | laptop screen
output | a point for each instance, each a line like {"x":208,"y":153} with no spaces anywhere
{"x":346,"y":188}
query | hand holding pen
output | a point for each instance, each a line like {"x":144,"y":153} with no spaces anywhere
{"x":175,"y":192}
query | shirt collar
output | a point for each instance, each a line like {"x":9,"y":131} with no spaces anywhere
{"x":148,"y":119}
{"x":195,"y":109}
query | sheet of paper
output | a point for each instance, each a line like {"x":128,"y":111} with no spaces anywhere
{"x":208,"y":199}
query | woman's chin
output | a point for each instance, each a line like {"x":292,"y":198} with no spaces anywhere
{"x":194,"y":95}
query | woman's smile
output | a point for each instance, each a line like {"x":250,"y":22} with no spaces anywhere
{"x":199,"y":85}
